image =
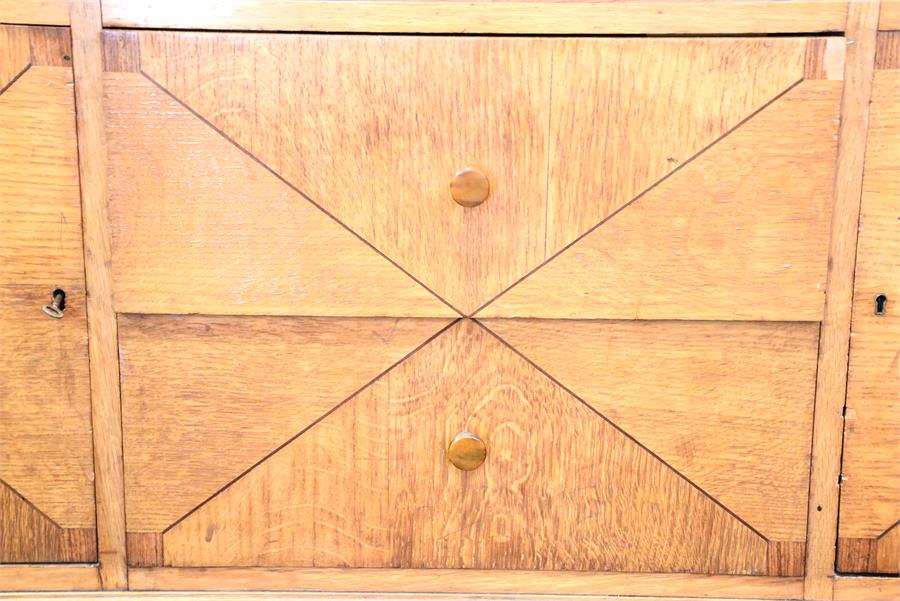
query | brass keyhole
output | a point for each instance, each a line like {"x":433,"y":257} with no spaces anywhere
{"x":881,"y":304}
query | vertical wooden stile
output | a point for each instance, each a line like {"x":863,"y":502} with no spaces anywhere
{"x":106,"y":415}
{"x":834,"y":341}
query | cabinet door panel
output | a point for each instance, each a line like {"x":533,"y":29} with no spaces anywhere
{"x":869,"y":535}
{"x":46,"y":467}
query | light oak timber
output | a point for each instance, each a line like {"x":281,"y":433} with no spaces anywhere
{"x":740,"y":233}
{"x":46,"y":491}
{"x":878,"y":555}
{"x":29,"y":536}
{"x":35,"y":12}
{"x":887,"y":53}
{"x":834,"y":339}
{"x":48,"y":577}
{"x":420,"y":119}
{"x":628,"y":112}
{"x":870,"y":492}
{"x":468,"y":255}
{"x":742,"y":436}
{"x":106,"y":415}
{"x":866,"y":589}
{"x":50,"y":46}
{"x":205,"y":398}
{"x":370,"y":485}
{"x":428,"y":16}
{"x":890,"y":15}
{"x":209,"y":230}
{"x":15,"y":53}
{"x":472,"y":582}
{"x":825,"y":58}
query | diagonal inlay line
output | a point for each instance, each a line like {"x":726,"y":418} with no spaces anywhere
{"x":15,"y":79}
{"x":646,"y":191}
{"x":621,"y":430}
{"x":298,"y":191}
{"x":27,"y":502}
{"x":340,"y":404}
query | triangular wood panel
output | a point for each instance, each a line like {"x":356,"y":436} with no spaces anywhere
{"x":370,"y":485}
{"x":729,"y":405}
{"x":15,"y":53}
{"x":628,"y":112}
{"x":200,"y":227}
{"x":204,"y":398}
{"x":741,"y":233}
{"x":45,"y":411}
{"x":29,"y":536}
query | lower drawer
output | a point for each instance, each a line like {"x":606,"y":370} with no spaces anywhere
{"x":326,"y":442}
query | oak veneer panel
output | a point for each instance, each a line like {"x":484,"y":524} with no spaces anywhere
{"x":45,"y":426}
{"x":370,"y":484}
{"x":204,"y":398}
{"x":35,"y":12}
{"x":29,"y":536}
{"x":740,"y":233}
{"x":15,"y":53}
{"x":378,"y":146}
{"x":209,"y":230}
{"x":436,"y":16}
{"x":870,"y":494}
{"x":727,"y":404}
{"x":890,"y":15}
{"x":628,"y":112}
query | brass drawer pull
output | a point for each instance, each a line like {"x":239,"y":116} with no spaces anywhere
{"x":466,"y":451}
{"x":57,"y":304}
{"x":470,"y":187}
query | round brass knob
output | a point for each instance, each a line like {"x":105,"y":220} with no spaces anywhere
{"x":470,"y":187}
{"x":466,"y":451}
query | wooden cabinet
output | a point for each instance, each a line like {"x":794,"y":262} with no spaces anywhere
{"x":481,"y":298}
{"x":870,"y":496}
{"x":658,"y":210}
{"x":46,"y":466}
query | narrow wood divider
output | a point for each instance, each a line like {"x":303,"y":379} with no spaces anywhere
{"x":106,"y":410}
{"x":834,"y":342}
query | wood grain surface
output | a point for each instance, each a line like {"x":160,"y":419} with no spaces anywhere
{"x":45,"y":427}
{"x":628,"y":112}
{"x":422,"y":119}
{"x":727,"y":404}
{"x":205,"y":398}
{"x":489,"y":584}
{"x":370,"y":485}
{"x":870,"y":494}
{"x":209,"y":230}
{"x":35,"y":12}
{"x":379,"y":146}
{"x":29,"y":536}
{"x":834,"y":338}
{"x":48,"y":577}
{"x":15,"y":53}
{"x":740,"y":233}
{"x":106,"y":412}
{"x":448,"y":16}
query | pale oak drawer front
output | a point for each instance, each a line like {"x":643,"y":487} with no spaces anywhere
{"x":605,"y":258}
{"x":46,"y":465}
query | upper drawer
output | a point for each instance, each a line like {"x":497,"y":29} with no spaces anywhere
{"x":312,"y":174}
